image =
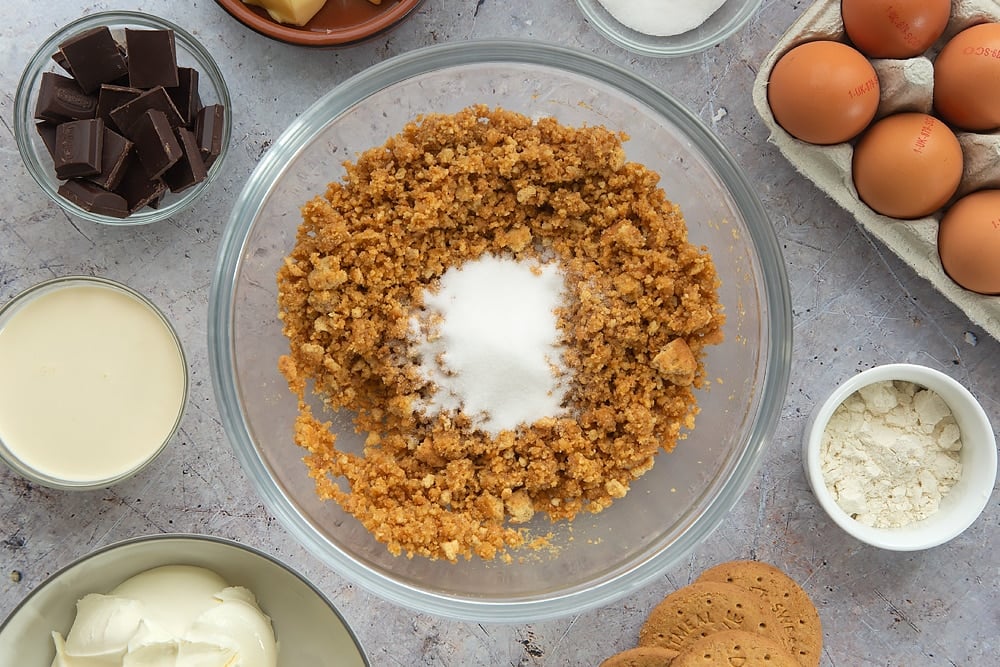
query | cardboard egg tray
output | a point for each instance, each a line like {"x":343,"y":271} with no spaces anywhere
{"x":906,"y":85}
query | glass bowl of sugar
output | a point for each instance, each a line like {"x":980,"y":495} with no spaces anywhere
{"x":901,"y":456}
{"x":428,"y":257}
{"x":668,"y":28}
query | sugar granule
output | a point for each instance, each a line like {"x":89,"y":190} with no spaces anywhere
{"x":487,"y":341}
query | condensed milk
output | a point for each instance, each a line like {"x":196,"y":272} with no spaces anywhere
{"x":93,"y":382}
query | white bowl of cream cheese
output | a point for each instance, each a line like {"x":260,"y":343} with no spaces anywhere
{"x":183,"y":600}
{"x":901,"y":456}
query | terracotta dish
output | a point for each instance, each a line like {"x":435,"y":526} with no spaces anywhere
{"x":338,"y":22}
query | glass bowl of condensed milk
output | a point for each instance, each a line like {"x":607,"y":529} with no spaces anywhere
{"x":94,"y":382}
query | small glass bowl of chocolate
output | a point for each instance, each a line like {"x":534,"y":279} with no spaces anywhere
{"x":122,"y":118}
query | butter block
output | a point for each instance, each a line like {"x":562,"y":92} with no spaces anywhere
{"x":293,"y":12}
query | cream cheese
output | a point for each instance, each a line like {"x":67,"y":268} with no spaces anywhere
{"x":170,"y":616}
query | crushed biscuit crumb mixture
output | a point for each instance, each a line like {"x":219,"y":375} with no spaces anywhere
{"x":641,"y":305}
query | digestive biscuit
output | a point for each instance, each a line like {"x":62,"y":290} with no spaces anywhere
{"x":735,"y":647}
{"x":797,"y":616}
{"x":641,"y":656}
{"x":703,"y":608}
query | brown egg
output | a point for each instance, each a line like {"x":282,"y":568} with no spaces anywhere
{"x":969,"y":242}
{"x":823,"y":92}
{"x":907,"y":165}
{"x":967,"y":78}
{"x":894,"y":28}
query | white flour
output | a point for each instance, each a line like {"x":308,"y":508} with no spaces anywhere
{"x":890,"y":453}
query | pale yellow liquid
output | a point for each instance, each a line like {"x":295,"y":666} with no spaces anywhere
{"x":91,"y":383}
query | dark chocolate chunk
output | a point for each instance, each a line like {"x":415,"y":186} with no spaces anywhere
{"x":47,"y":131}
{"x":113,"y":159}
{"x":185,"y":94}
{"x":60,"y":99}
{"x":94,"y":58}
{"x":190,"y":169}
{"x":155,"y":143}
{"x":93,"y":198}
{"x":208,"y":129}
{"x":152,"y":58}
{"x":110,"y":97}
{"x":79,"y":148}
{"x":60,"y":59}
{"x":131,"y":111}
{"x":146,"y":131}
{"x":137,"y":189}
{"x":123,"y":79}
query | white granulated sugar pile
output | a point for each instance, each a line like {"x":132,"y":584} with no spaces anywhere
{"x":890,"y":453}
{"x":488,"y":341}
{"x":662,"y":18}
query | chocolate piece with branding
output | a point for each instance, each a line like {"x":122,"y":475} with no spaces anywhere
{"x":79,"y":148}
{"x":131,"y":111}
{"x":93,"y":58}
{"x":185,"y":94}
{"x":113,"y":159}
{"x":190,"y":169}
{"x":137,"y":189}
{"x":155,"y":143}
{"x":110,"y":97}
{"x":152,"y":58}
{"x":60,"y":98}
{"x":209,"y":125}
{"x":93,"y":198}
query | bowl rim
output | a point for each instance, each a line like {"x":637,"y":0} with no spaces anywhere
{"x":776,"y":321}
{"x":76,"y":562}
{"x":671,"y":46}
{"x":950,"y":390}
{"x":24,"y":120}
{"x":28,"y":295}
{"x":328,"y":38}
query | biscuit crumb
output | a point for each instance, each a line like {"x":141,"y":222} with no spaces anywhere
{"x":676,"y":363}
{"x":446,"y":190}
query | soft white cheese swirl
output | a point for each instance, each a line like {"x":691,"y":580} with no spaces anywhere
{"x":171,"y":616}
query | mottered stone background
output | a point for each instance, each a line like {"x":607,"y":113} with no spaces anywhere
{"x":855,"y":305}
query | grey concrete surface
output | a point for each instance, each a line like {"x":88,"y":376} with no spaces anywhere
{"x":855,"y":305}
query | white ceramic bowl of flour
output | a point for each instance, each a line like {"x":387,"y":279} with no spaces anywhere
{"x":906,"y":454}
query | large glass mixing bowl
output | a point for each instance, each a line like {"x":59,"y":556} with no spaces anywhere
{"x":668,"y":511}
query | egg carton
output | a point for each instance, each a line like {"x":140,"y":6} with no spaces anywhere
{"x":906,"y":85}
